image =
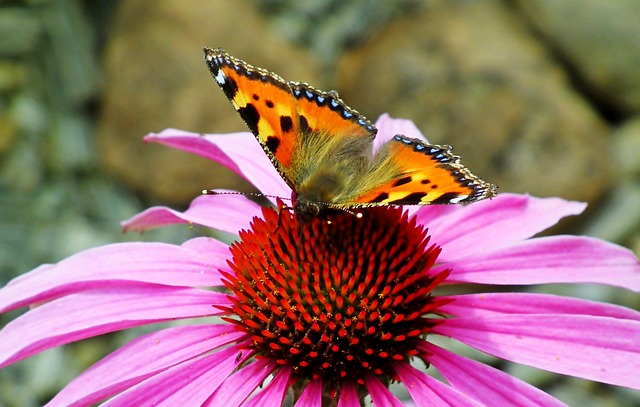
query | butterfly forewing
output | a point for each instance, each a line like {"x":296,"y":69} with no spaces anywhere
{"x":326,"y":113}
{"x":265,"y":102}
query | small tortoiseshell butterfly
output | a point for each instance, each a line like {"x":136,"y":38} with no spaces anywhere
{"x":323,"y":149}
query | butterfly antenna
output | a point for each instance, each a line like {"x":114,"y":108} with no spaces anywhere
{"x":356,"y":214}
{"x":350,"y":212}
{"x":254,"y":194}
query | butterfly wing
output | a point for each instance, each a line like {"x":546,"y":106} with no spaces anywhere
{"x":326,"y":114}
{"x":264,"y":101}
{"x":287,"y":118}
{"x":411,"y":172}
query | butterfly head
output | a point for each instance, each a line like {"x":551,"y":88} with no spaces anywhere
{"x":307,"y":211}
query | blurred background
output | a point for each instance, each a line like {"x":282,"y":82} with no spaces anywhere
{"x":537,"y":96}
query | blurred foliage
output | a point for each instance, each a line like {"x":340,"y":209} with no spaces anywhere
{"x":54,"y":200}
{"x":49,"y":172}
{"x":328,"y":27}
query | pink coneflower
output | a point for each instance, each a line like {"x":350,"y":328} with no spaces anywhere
{"x":326,"y":313}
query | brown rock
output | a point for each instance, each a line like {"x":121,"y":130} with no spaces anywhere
{"x":157,"y":78}
{"x":470,"y":75}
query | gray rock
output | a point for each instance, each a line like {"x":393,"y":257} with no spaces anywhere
{"x":626,"y":147}
{"x":600,"y":40}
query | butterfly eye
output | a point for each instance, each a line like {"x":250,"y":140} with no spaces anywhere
{"x":306,"y":210}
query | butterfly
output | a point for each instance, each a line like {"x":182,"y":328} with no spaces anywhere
{"x":322,"y":148}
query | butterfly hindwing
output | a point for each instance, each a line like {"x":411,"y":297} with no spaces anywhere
{"x":418,"y":173}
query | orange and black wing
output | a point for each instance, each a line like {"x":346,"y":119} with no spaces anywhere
{"x":418,"y":173}
{"x":282,"y":114}
{"x":325,"y":113}
{"x":264,"y":101}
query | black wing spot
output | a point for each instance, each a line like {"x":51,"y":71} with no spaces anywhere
{"x":402,"y":181}
{"x":434,"y":186}
{"x":256,"y":97}
{"x":251,"y":116}
{"x":383,"y":196}
{"x":425,"y":181}
{"x":304,"y":124}
{"x":269,"y":104}
{"x":411,"y":199}
{"x":230,"y":87}
{"x":446,"y":198}
{"x":272,"y":144}
{"x":286,"y":124}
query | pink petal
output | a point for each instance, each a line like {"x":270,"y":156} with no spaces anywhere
{"x":348,"y":396}
{"x":595,"y":348}
{"x":499,"y":222}
{"x":187,"y":384}
{"x":427,"y":214}
{"x":239,"y":152}
{"x":195,"y":263}
{"x":228,"y":213}
{"x":273,"y":394}
{"x":427,"y":391}
{"x":496,"y":304}
{"x":484,"y":383}
{"x":388,"y":127}
{"x":311,"y":395}
{"x":380,"y":394}
{"x":207,"y":246}
{"x":238,"y":387}
{"x":553,"y":259}
{"x":95,"y":312}
{"x":142,"y":358}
